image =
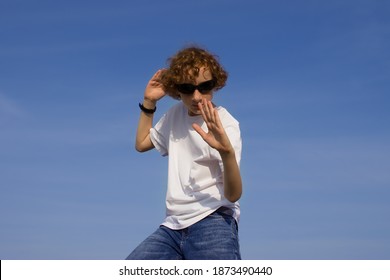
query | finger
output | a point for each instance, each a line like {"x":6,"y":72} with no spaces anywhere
{"x":217,"y":119}
{"x":211,"y":110}
{"x":200,"y":131}
{"x":208,"y":107}
{"x":205,"y":112}
{"x":208,"y":114}
{"x":202,"y":111}
{"x":157,"y":75}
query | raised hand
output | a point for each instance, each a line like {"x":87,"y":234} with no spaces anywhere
{"x":216,"y":135}
{"x":154,"y":90}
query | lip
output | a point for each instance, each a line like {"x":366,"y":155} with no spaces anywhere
{"x":195,"y":106}
{"x":194,"y":110}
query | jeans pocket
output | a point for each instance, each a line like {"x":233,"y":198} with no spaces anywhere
{"x":228,"y":219}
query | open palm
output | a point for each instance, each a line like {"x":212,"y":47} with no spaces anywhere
{"x":154,"y":90}
{"x":216,"y":136}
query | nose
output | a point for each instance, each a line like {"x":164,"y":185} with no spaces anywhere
{"x":197,"y":96}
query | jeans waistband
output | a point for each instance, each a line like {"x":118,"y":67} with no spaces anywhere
{"x":225,"y":210}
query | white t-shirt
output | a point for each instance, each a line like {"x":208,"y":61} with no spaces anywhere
{"x":195,"y":170}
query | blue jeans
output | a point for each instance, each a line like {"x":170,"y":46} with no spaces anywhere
{"x":213,"y":238}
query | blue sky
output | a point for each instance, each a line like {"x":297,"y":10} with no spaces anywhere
{"x":309,"y":83}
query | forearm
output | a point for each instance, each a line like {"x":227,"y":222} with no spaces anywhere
{"x":232,"y":177}
{"x":145,"y":123}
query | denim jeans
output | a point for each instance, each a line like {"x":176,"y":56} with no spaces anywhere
{"x":213,"y":238}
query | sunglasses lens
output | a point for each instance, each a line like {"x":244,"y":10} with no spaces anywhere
{"x":186,"y":88}
{"x":206,"y":86}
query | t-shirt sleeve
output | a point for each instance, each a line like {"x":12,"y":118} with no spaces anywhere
{"x":159,"y":135}
{"x":234,"y":134}
{"x":232,"y":128}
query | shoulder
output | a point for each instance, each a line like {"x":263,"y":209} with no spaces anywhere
{"x":172,"y":113}
{"x":226,"y":117}
{"x":175,"y":110}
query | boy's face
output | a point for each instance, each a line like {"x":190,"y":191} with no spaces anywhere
{"x":191,"y":100}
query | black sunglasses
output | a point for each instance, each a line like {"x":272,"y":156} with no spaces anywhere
{"x":203,"y":88}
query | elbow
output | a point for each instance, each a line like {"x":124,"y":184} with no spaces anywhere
{"x":233,"y":191}
{"x":143,"y":145}
{"x":233,"y":197}
{"x":140,"y":149}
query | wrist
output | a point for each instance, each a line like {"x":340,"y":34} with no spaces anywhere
{"x":226,"y":154}
{"x":146,"y":110}
{"x":149,"y":104}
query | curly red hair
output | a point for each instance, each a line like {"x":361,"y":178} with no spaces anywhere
{"x":184,"y":66}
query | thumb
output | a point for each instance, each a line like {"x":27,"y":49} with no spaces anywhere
{"x":198,"y":129}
